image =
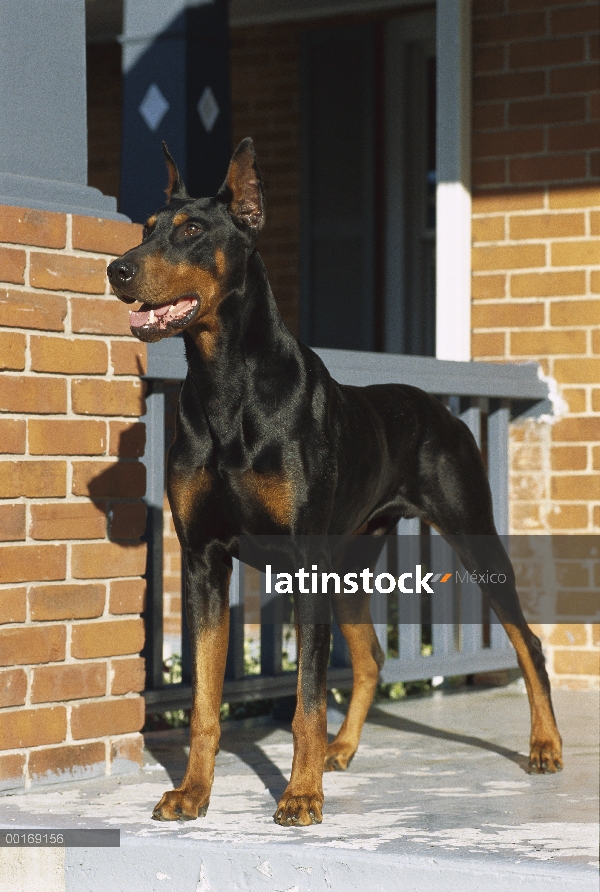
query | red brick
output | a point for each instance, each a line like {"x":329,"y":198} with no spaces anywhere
{"x":58,"y":763}
{"x":32,"y":563}
{"x":91,"y":397}
{"x":508,"y":86}
{"x":575,"y":79}
{"x":105,"y":316}
{"x":546,"y":168}
{"x":128,"y":676}
{"x":581,"y":253}
{"x":546,"y":111}
{"x":575,"y":197}
{"x":33,"y":479}
{"x":54,"y":602}
{"x":498,"y":29}
{"x":26,"y":309}
{"x":127,"y":749}
{"x":576,"y":487}
{"x":107,"y":638}
{"x":54,"y":437}
{"x":33,"y":727}
{"x":74,"y":356}
{"x":107,"y":717}
{"x":99,"y":479}
{"x":575,"y":20}
{"x":488,"y":116}
{"x":576,"y":662}
{"x":488,"y":287}
{"x":509,"y":257}
{"x":488,"y":172}
{"x":502,"y":201}
{"x":12,"y":351}
{"x":106,"y":559}
{"x":127,"y":439}
{"x":568,"y":517}
{"x":127,"y":596}
{"x":34,"y":396}
{"x":75,"y":681}
{"x":69,"y":520}
{"x":577,"y":370}
{"x":13,"y":687}
{"x":127,"y":521}
{"x":128,"y":357}
{"x":12,"y":523}
{"x":488,"y":58}
{"x":12,"y":266}
{"x":508,"y":142}
{"x":575,"y":312}
{"x":33,"y":644}
{"x":13,"y":605}
{"x":545,"y":226}
{"x":113,"y":237}
{"x":546,"y":53}
{"x":508,"y":315}
{"x":23,"y":226}
{"x":62,"y":272}
{"x":12,"y":771}
{"x":573,"y":430}
{"x":12,"y":436}
{"x":557,"y":284}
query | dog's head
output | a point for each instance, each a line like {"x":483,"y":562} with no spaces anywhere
{"x":193,"y":253}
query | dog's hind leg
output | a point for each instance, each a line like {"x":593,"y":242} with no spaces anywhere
{"x":367,"y":660}
{"x":456,"y":500}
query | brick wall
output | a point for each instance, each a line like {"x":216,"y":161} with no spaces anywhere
{"x":71,"y":510}
{"x":536,"y":262}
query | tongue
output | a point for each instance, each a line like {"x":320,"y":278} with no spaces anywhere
{"x":162,"y":314}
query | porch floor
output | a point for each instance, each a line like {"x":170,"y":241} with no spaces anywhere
{"x":437,"y":798}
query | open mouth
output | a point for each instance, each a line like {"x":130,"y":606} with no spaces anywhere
{"x":151,"y":323}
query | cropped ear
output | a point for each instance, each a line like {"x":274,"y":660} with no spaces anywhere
{"x":243,"y":191}
{"x":175,"y":187}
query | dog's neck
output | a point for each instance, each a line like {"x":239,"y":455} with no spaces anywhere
{"x":253,"y":349}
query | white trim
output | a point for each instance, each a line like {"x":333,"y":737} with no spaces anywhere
{"x":260,"y":12}
{"x":453,"y":213}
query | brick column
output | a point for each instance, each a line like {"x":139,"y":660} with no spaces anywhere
{"x":536,"y":264}
{"x":71,"y":509}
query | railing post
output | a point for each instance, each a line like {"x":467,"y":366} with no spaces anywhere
{"x":235,"y":653}
{"x":271,"y":636}
{"x":154,"y":460}
{"x":409,"y":605}
{"x":498,"y":432}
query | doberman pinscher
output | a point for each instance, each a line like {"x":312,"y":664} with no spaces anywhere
{"x":267,"y":443}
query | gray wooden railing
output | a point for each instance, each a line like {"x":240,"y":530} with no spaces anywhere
{"x":485,"y":396}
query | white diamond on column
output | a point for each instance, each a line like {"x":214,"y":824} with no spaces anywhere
{"x":208,"y":109}
{"x":153,"y":107}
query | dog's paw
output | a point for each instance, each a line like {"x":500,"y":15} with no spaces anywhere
{"x":545,"y":757}
{"x":299,"y":811}
{"x":177,"y":805}
{"x":338,"y":757}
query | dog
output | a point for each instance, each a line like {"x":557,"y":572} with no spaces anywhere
{"x":268,"y":443}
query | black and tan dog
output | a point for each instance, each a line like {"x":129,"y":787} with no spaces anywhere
{"x":267,"y":443}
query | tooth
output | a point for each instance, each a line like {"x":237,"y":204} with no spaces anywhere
{"x":151,"y":316}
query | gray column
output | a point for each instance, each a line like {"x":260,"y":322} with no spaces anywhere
{"x":43,"y":150}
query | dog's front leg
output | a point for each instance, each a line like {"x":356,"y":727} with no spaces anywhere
{"x":207,"y":602}
{"x":302,"y":801}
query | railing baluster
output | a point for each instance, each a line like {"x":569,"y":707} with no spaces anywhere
{"x":235,"y":653}
{"x":498,"y":465}
{"x":154,"y":460}
{"x":379,"y":609}
{"x":470,"y":594}
{"x":409,"y":605}
{"x":271,"y":635}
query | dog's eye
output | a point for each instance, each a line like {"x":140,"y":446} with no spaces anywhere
{"x":192,"y":229}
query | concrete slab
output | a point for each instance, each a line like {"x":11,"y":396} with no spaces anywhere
{"x":437,"y":798}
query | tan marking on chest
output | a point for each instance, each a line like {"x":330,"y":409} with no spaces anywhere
{"x":273,"y":491}
{"x":187,"y":492}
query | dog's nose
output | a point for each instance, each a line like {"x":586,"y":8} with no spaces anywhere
{"x":120,"y":272}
